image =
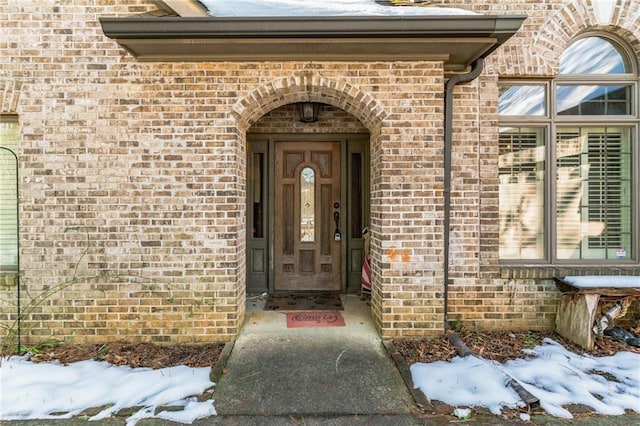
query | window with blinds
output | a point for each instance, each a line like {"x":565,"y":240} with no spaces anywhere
{"x":579,"y":190}
{"x":521,"y":216}
{"x":593,"y":192}
{"x":8,"y":194}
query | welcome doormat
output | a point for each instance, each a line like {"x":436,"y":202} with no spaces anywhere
{"x":315,"y":319}
{"x":325,"y":301}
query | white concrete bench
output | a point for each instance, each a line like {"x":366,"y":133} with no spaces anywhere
{"x":580,"y":298}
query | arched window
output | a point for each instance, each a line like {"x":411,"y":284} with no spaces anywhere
{"x":568,"y":151}
{"x":593,"y":55}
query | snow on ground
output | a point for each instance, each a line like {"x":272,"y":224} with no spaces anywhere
{"x":53,"y":391}
{"x":320,"y":8}
{"x":554,"y":375}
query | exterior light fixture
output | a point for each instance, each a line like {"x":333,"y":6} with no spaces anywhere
{"x":308,"y":111}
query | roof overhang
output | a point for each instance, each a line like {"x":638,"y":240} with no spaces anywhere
{"x":456,"y":40}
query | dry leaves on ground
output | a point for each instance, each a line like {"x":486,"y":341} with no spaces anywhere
{"x":135,"y":354}
{"x":498,"y":346}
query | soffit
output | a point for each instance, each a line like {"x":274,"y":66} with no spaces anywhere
{"x":456,"y":40}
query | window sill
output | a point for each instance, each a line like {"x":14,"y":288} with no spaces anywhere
{"x":550,"y":271}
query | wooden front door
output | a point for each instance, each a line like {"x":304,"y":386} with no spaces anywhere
{"x":307,"y":209}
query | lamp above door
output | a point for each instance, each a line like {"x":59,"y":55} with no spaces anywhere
{"x":308,"y":111}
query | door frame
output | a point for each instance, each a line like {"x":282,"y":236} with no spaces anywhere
{"x":261,"y":250}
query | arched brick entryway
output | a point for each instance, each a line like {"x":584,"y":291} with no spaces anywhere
{"x":305,"y":87}
{"x":312,"y":88}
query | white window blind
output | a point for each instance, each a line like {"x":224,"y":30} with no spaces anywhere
{"x":521,"y":166}
{"x":604,"y":197}
{"x":593,"y":192}
{"x":8,"y":195}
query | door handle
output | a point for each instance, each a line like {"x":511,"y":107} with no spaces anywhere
{"x":336,"y":218}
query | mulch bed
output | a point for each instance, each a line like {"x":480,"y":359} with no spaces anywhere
{"x":498,"y":346}
{"x":134,"y":354}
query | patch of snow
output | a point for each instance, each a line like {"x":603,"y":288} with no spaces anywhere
{"x":55,"y":391}
{"x":467,"y":382}
{"x":462,"y":413}
{"x":264,"y":8}
{"x":594,"y":281}
{"x":555,"y":376}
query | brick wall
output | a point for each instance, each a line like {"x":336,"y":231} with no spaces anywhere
{"x":483,"y":294}
{"x":132,"y":176}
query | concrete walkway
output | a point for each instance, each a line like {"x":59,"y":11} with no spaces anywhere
{"x":328,"y":371}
